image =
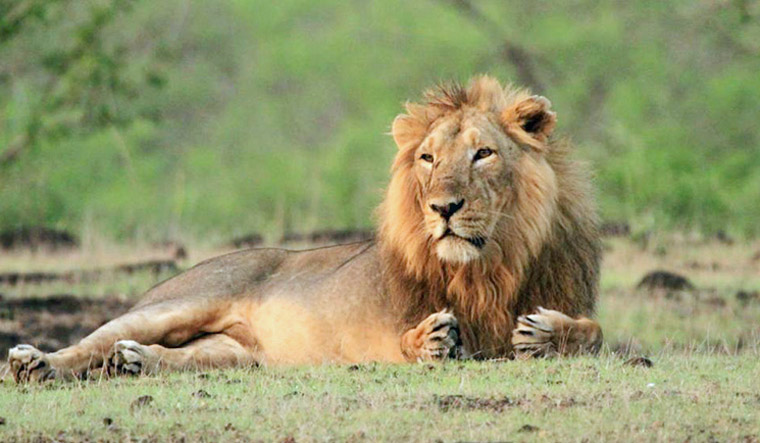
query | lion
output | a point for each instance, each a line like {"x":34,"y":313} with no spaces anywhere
{"x":487,"y":246}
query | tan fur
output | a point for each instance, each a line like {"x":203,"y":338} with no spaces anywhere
{"x":486,"y":219}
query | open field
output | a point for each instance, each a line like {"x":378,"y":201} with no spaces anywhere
{"x":703,"y":386}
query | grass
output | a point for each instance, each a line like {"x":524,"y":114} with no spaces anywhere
{"x":700,"y":396}
{"x":703,"y":385}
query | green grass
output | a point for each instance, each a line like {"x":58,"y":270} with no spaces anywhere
{"x":697,"y":396}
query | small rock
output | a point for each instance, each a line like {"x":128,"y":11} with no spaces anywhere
{"x":639,"y":361}
{"x":141,"y":401}
{"x":528,"y":428}
{"x":664,"y":280}
{"x":180,"y":253}
{"x":723,"y":237}
{"x":745,"y":297}
{"x":201,"y":394}
{"x":615,"y":228}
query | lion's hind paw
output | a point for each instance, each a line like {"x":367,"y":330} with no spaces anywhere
{"x":127,"y":357}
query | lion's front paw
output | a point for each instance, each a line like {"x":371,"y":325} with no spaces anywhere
{"x":435,"y":338}
{"x":28,"y":363}
{"x":130,"y":357}
{"x":549,"y":332}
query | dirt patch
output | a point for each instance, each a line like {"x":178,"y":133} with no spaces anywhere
{"x":37,"y":237}
{"x":248,"y":241}
{"x":155,"y":267}
{"x":449,"y":402}
{"x":53,"y":322}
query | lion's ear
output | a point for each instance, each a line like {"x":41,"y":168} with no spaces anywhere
{"x":530,"y":120}
{"x":407,"y":131}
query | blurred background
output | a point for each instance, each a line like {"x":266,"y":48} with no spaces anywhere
{"x":201,"y":121}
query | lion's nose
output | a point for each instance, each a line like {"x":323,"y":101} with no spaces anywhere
{"x":447,"y":209}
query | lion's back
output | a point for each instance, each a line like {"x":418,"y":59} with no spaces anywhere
{"x":255,"y":272}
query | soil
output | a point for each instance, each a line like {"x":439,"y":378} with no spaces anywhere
{"x":154,"y":266}
{"x":37,"y":237}
{"x":248,"y":241}
{"x":447,"y":402}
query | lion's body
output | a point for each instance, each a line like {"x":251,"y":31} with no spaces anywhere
{"x":524,"y":236}
{"x":312,"y":306}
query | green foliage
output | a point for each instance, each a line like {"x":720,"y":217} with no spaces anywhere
{"x":175,"y":118}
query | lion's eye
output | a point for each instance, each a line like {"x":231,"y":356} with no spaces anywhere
{"x":483,"y":153}
{"x":427,"y":157}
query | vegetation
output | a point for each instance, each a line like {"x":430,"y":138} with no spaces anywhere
{"x":600,"y":399}
{"x":129,"y":119}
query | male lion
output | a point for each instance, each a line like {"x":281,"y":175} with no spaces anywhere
{"x":486,"y":220}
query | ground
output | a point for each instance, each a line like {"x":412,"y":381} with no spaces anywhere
{"x":703,"y":384}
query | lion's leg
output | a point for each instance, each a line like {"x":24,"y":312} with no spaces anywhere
{"x":435,"y":338}
{"x":549,"y":332}
{"x":171,"y":325}
{"x":211,"y":351}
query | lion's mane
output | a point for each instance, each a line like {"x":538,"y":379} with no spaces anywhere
{"x":549,"y":251}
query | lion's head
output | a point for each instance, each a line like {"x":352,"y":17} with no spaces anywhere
{"x":470,"y":165}
{"x":475,"y":195}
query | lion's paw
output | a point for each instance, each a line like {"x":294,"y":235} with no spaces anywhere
{"x":28,"y":364}
{"x":435,"y":338}
{"x":129,"y":357}
{"x":548,"y":332}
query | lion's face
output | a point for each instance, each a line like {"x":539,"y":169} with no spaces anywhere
{"x":464,"y":168}
{"x":467,"y":160}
